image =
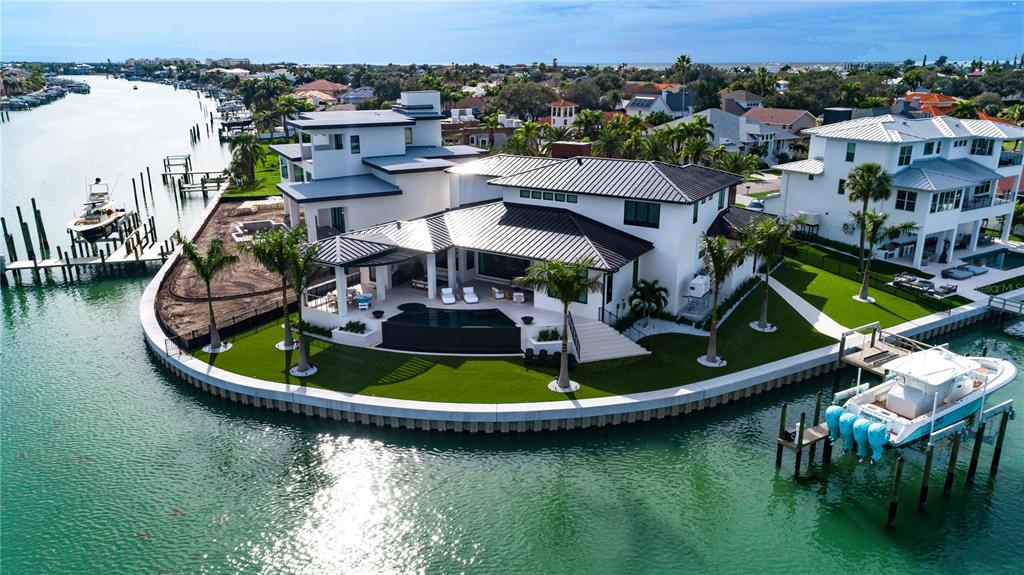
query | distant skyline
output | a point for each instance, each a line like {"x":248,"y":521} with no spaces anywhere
{"x":381,"y":32}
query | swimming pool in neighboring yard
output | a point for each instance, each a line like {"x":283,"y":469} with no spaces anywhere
{"x":1004,"y":259}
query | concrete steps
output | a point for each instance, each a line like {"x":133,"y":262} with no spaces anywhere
{"x":599,"y":341}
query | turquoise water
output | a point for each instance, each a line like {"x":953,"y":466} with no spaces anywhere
{"x":111,"y":465}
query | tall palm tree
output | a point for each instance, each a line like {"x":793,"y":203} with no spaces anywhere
{"x":736,"y":163}
{"x":273,"y":249}
{"x":247,"y":150}
{"x":965,"y":109}
{"x":765,"y":240}
{"x":850,"y":95}
{"x":648,"y":298}
{"x":868,"y":182}
{"x":875,"y":230}
{"x":551,"y":134}
{"x":676,"y":134}
{"x":657,"y":147}
{"x":763,"y":81}
{"x":696,"y":150}
{"x":799,"y":148}
{"x":303,"y":270}
{"x":588,"y":123}
{"x":720,"y":259}
{"x":490,"y":122}
{"x":566,"y":282}
{"x":518,"y":144}
{"x":701,"y":125}
{"x":610,"y":141}
{"x":531,"y":133}
{"x":633,"y":146}
{"x":207,"y":265}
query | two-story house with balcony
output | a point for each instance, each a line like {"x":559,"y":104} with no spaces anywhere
{"x":946,"y":175}
{"x":353,"y":169}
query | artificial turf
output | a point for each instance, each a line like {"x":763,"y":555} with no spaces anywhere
{"x":381,"y":373}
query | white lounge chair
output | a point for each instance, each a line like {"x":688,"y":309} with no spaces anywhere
{"x":447,"y":296}
{"x":497,"y":293}
{"x":469,"y":295}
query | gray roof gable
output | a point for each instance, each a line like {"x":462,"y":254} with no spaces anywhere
{"x":939,"y":174}
{"x":629,"y":179}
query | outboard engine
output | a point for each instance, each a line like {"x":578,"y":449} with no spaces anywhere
{"x":860,"y":435}
{"x":832,"y":414}
{"x":846,"y":430}
{"x":877,"y":438}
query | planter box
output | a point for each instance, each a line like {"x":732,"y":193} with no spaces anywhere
{"x":551,"y":346}
{"x":369,"y":338}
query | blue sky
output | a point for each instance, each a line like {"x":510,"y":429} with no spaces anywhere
{"x":511,"y":31}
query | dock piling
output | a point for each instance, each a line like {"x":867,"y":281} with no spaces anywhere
{"x":815,"y":421}
{"x":782,"y":435}
{"x":922,"y":498}
{"x":947,"y":488}
{"x":136,"y":193}
{"x":149,"y":177}
{"x":998,"y":452}
{"x":972,"y":469}
{"x":799,"y":445}
{"x":894,"y":496}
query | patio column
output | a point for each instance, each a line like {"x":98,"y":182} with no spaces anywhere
{"x":452,"y":279}
{"x":340,"y":284}
{"x":975,"y":235}
{"x":382,"y":282}
{"x":919,"y":249}
{"x":1007,"y":227}
{"x":461,"y":256}
{"x":431,"y":276}
{"x":311,"y":226}
{"x":364,"y":277}
{"x":292,"y":209}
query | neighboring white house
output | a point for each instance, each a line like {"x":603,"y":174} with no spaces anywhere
{"x":741,"y":134}
{"x":633,"y":219}
{"x":675,"y":104}
{"x":945,"y":176}
{"x":563,"y":113}
{"x":353,"y":169}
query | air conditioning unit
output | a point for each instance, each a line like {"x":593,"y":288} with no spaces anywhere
{"x":700,"y":286}
{"x":810,"y":218}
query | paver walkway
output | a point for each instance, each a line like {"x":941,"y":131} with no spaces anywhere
{"x":813,"y":315}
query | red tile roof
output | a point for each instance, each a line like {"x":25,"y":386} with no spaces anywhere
{"x":668,"y":85}
{"x":990,"y":118}
{"x":931,"y":98}
{"x":563,"y":104}
{"x":322,"y":86}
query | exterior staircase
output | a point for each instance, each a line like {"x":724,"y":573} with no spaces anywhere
{"x":599,"y":341}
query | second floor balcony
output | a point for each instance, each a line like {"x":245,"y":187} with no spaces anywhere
{"x":1010,"y":158}
{"x":986,"y":200}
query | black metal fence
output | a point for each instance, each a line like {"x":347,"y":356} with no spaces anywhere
{"x":226,"y":327}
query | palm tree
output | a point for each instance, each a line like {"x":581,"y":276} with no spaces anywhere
{"x":647,"y":299}
{"x":264,"y":120}
{"x":868,"y":182}
{"x":736,"y":163}
{"x":765,"y":240}
{"x":490,"y":122}
{"x":518,"y":144}
{"x":720,"y":260}
{"x":207,"y":266}
{"x":676,"y":134}
{"x":566,"y":282}
{"x":656,"y":147}
{"x":696,"y":150}
{"x":965,"y":109}
{"x":551,"y":134}
{"x":610,"y":141}
{"x":246,"y":149}
{"x":700,"y":125}
{"x":303,"y":270}
{"x":762,"y":81}
{"x":850,"y":95}
{"x":588,"y":123}
{"x":875,"y":230}
{"x":273,"y":249}
{"x":799,"y":148}
{"x":633,"y":146}
{"x":531,"y":133}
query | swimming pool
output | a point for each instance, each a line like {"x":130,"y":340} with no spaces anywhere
{"x":462,"y":331}
{"x":1004,"y":259}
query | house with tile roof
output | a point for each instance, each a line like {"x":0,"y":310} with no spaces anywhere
{"x":737,"y":102}
{"x":785,"y":119}
{"x":325,"y":86}
{"x":950,"y":175}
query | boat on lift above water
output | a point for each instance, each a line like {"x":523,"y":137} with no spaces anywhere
{"x":99,"y":217}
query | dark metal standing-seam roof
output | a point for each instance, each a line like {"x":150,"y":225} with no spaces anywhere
{"x":733,"y":219}
{"x":630,"y":179}
{"x":503,"y":165}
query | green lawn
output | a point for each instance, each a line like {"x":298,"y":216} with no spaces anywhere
{"x":505,"y":380}
{"x":996,"y":234}
{"x":833,"y":294}
{"x":1007,"y":285}
{"x":268,"y":175}
{"x":762,"y":195}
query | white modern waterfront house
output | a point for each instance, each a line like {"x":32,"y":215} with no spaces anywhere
{"x":949,"y":175}
{"x":353,"y":169}
{"x":632,"y":219}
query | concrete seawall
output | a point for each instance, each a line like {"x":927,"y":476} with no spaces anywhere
{"x":508,"y":417}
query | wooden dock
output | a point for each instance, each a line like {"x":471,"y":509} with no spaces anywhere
{"x":876,"y":348}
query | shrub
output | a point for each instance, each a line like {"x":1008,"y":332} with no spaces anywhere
{"x":549,"y":334}
{"x":355,"y":327}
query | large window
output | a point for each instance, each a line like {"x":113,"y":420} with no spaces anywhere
{"x":284,"y":169}
{"x":945,"y":201}
{"x":298,"y":174}
{"x":696,"y":210}
{"x":905,"y":153}
{"x":644,"y":214}
{"x":981,"y":147}
{"x":851,"y":151}
{"x":906,"y":201}
{"x":408,"y":136}
{"x":353,"y":143}
{"x":338,"y":219}
{"x":338,"y":141}
{"x":929,"y":148}
{"x":721,"y":199}
{"x":503,"y":267}
{"x":842,"y":187}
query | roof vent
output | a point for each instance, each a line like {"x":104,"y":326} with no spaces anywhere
{"x":398,"y":224}
{"x":579,"y":161}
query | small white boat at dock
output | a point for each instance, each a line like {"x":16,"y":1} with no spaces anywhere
{"x":99,"y":217}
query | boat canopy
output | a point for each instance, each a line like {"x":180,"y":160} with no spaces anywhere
{"x":930,"y":369}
